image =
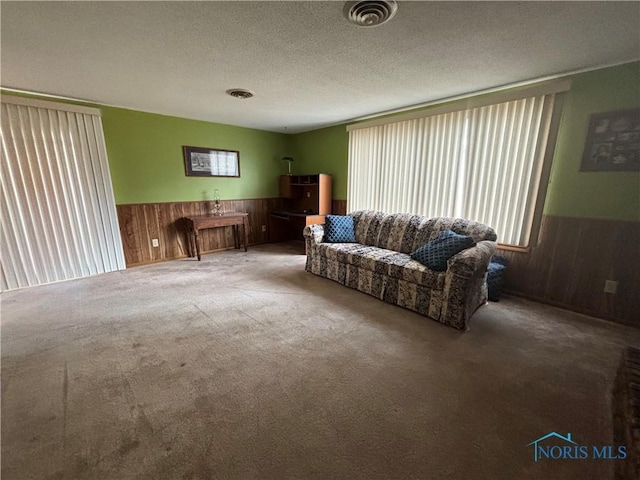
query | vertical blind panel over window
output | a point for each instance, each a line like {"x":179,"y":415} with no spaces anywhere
{"x":58,"y":209}
{"x":482,"y":164}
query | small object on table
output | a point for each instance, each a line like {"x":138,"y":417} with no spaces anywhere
{"x":217,"y":206}
{"x":202,"y":222}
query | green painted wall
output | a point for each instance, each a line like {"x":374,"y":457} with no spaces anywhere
{"x":323,"y":151}
{"x":612,"y":195}
{"x":145,"y":156}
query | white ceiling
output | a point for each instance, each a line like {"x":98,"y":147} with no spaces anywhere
{"x":307,"y":65}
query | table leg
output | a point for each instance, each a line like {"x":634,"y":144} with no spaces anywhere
{"x":236,"y":239}
{"x":188,"y":232}
{"x":192,"y":244}
{"x":245,"y":230}
{"x":197,"y":242}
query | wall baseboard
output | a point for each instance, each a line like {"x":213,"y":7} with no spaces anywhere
{"x":572,"y":308}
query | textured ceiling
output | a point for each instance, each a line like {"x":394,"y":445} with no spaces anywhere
{"x":307,"y":65}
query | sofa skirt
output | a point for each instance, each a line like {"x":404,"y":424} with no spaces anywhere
{"x":424,"y":300}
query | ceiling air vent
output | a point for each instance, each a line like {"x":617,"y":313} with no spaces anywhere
{"x":240,"y":93}
{"x":370,"y":13}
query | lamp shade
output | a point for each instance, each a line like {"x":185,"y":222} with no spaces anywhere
{"x":288,"y":160}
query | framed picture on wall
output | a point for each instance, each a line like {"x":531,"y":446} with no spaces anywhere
{"x":211,"y":162}
{"x":613,"y":142}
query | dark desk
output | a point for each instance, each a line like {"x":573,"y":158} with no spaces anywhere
{"x":201,"y":222}
{"x":285,"y":226}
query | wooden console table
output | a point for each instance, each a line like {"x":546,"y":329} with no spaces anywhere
{"x":202,"y":222}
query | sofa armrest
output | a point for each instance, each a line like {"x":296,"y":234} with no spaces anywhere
{"x":472,"y":262}
{"x":313,"y":234}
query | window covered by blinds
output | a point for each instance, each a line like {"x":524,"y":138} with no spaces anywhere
{"x":58,"y":218}
{"x":484,"y":164}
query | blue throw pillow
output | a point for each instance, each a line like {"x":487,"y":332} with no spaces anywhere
{"x":436,"y":253}
{"x":339,"y":229}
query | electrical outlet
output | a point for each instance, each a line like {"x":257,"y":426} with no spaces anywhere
{"x":155,"y":243}
{"x":308,"y":194}
{"x":610,"y":286}
{"x":264,"y":228}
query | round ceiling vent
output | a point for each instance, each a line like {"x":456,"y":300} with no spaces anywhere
{"x":370,"y":13}
{"x":240,"y":93}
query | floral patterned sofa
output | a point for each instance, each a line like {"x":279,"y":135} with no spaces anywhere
{"x":380,"y":264}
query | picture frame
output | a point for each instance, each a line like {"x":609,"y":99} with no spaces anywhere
{"x":613,"y":142}
{"x":211,"y":162}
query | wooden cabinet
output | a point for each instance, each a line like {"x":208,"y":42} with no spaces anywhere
{"x":306,"y":199}
{"x":286,"y":190}
{"x":306,"y":193}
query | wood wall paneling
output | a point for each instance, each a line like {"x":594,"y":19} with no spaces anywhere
{"x":339,"y":207}
{"x":573,"y":259}
{"x":140,"y":223}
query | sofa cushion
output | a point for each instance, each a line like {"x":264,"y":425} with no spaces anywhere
{"x":383,"y":262}
{"x":339,"y":229}
{"x":398,"y":231}
{"x":435,"y":226}
{"x":337,"y":251}
{"x":406,"y":233}
{"x":368,"y":257}
{"x":395,"y":232}
{"x":437,"y":252}
{"x":415,"y":272}
{"x":367,"y":225}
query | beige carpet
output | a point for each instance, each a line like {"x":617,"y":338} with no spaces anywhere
{"x":245,"y":366}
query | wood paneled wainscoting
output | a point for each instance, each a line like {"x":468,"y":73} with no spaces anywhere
{"x":339,"y":207}
{"x":573,"y":259}
{"x":141,"y":223}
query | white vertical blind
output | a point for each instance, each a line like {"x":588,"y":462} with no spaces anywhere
{"x":58,"y":216}
{"x":482,"y":163}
